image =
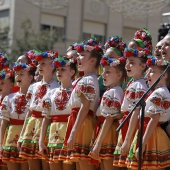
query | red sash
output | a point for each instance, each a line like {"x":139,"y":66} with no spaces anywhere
{"x":16,"y":122}
{"x":60,"y":118}
{"x":37,"y":114}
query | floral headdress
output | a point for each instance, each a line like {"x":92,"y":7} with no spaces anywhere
{"x":31,"y":55}
{"x":105,"y":61}
{"x":143,"y":38}
{"x":72,"y":47}
{"x":139,"y":52}
{"x":6,"y":73}
{"x":152,"y":60}
{"x":117,"y":44}
{"x":24,"y":66}
{"x":89,"y":45}
{"x":62,"y":61}
{"x":3,"y":61}
{"x":48,"y":54}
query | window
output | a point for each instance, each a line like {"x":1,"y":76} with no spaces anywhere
{"x":54,"y":32}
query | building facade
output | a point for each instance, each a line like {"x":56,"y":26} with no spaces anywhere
{"x":79,"y":20}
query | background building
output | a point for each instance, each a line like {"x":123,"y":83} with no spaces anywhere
{"x":78,"y":21}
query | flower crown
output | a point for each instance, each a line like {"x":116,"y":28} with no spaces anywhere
{"x":24,"y":66}
{"x":139,"y":52}
{"x":31,"y":55}
{"x":62,"y":61}
{"x":152,"y":61}
{"x":72,"y":46}
{"x":6,"y":73}
{"x":143,"y":38}
{"x":116,"y":42}
{"x":105,"y":61}
{"x":48,"y":54}
{"x":93,"y":41}
{"x":3,"y":61}
{"x":143,"y":34}
{"x":83,"y":47}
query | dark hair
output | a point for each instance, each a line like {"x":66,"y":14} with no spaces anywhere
{"x":32,"y":73}
{"x":121,"y":67}
{"x":73,"y":66}
{"x":12,"y":79}
{"x":98,"y":55}
{"x":162,"y":68}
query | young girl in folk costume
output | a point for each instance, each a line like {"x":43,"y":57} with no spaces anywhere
{"x":30,"y":133}
{"x":6,"y":85}
{"x":165,"y":54}
{"x":56,"y":111}
{"x":13,"y":111}
{"x":83,"y":102}
{"x":135,"y":68}
{"x":114,"y":74}
{"x":155,"y":145}
{"x":114,"y":48}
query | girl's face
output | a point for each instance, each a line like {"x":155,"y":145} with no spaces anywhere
{"x":64,"y":73}
{"x":157,"y":51}
{"x":152,"y":75}
{"x":23,"y":78}
{"x":45,"y":67}
{"x":134,"y":67}
{"x":83,"y":61}
{"x":165,"y":50}
{"x":5,"y":87}
{"x":111,"y":76}
{"x":111,"y":53}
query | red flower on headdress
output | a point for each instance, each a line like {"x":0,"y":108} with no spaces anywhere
{"x":122,"y":60}
{"x":39,"y":57}
{"x":79,"y":49}
{"x":57,"y":64}
{"x":97,"y":47}
{"x":149,"y":62}
{"x":128,"y":53}
{"x":104,"y":62}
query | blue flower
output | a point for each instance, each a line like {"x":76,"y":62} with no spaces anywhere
{"x":135,"y":53}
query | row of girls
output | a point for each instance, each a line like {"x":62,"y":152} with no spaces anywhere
{"x":70,"y":124}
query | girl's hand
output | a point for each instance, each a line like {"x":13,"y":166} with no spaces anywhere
{"x":43,"y":150}
{"x":137,"y":152}
{"x":118,"y":116}
{"x":71,"y":141}
{"x":96,"y":150}
{"x":125,"y":148}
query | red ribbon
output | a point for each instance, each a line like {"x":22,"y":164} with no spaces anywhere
{"x":125,"y":126}
{"x":72,"y":121}
{"x":100,"y":121}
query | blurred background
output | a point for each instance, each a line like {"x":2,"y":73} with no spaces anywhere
{"x":55,"y":24}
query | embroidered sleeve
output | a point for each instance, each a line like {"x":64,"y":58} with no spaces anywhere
{"x":110,"y":104}
{"x":5,"y":111}
{"x":46,"y":104}
{"x":159,"y":104}
{"x":135,"y":92}
{"x":29,"y":95}
{"x":87,"y":88}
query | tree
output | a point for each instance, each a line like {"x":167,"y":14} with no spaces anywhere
{"x":43,"y":41}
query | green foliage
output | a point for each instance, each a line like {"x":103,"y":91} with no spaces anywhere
{"x":43,"y":41}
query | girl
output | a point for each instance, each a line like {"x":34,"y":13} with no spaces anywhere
{"x":13,"y":112}
{"x":114,"y":47}
{"x":30,"y":133}
{"x":6,"y":85}
{"x":56,"y":110}
{"x":114,"y":74}
{"x":155,"y":145}
{"x":135,"y":68}
{"x":83,"y":102}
